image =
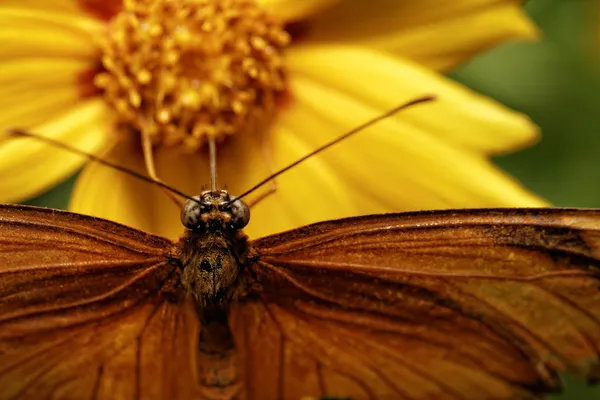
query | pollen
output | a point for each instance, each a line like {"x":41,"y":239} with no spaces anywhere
{"x":180,"y":71}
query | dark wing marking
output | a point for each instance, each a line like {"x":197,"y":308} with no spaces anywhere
{"x":447,"y":304}
{"x":90,"y":309}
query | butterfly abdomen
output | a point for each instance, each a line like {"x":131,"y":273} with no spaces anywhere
{"x":218,"y":367}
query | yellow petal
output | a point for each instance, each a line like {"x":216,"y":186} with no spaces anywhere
{"x":33,"y":72}
{"x":24,"y":114}
{"x":39,"y":33}
{"x":299,"y":198}
{"x":293,"y":10}
{"x":35,"y":90}
{"x":108,"y":193}
{"x":101,"y":10}
{"x":304,"y":195}
{"x":310,"y":193}
{"x":381,"y":81}
{"x":28,"y":166}
{"x":63,"y":6}
{"x":395,"y":165}
{"x":437,"y":34}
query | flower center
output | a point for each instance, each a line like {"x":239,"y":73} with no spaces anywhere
{"x":180,"y":71}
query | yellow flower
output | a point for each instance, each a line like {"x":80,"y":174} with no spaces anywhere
{"x":95,"y":73}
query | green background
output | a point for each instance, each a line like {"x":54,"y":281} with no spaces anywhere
{"x":557,"y":83}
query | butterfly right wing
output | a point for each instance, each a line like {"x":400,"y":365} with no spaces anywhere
{"x":451,"y":304}
{"x":90,"y":309}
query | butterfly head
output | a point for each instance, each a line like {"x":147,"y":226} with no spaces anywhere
{"x":214,"y":210}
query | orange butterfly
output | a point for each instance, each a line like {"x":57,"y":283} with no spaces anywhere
{"x":425,"y":305}
{"x":456,"y":304}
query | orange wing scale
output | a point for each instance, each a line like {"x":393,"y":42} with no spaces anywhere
{"x":89,"y":309}
{"x":450,"y":304}
{"x":391,"y":306}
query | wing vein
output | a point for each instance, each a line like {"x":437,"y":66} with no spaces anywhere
{"x":97,"y":381}
{"x":104,"y":296}
{"x":372,"y":270}
{"x":506,"y":333}
{"x":138,"y":367}
{"x":375,"y":370}
{"x":80,"y":233}
{"x":7,"y":368}
{"x":572,"y":304}
{"x":321,"y":379}
{"x":79,"y":264}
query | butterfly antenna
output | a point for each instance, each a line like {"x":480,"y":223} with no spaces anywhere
{"x":17,"y":132}
{"x":212,"y":153}
{"x":346,"y":135}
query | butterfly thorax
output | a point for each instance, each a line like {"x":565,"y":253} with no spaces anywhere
{"x":213,"y":248}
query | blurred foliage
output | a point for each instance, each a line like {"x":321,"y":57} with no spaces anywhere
{"x":57,"y":197}
{"x":556,"y":81}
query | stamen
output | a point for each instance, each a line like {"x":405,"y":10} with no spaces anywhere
{"x":186,"y":70}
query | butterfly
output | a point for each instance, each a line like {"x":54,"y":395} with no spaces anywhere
{"x":454,"y":304}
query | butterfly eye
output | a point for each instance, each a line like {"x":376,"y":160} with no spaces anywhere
{"x":205,"y":266}
{"x":191,"y":212}
{"x":240,"y":214}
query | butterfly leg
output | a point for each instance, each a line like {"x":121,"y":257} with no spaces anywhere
{"x":149,"y":161}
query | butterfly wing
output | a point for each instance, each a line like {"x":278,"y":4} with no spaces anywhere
{"x":90,"y":309}
{"x":448,"y":304}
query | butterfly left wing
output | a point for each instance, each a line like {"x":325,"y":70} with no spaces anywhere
{"x":488,"y":304}
{"x":90,"y":309}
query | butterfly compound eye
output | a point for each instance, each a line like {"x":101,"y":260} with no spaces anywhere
{"x":240,"y":214}
{"x":191,"y":212}
{"x":206,"y":266}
